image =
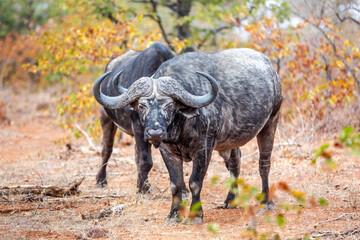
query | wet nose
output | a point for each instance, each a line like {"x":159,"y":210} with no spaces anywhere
{"x":155,"y":133}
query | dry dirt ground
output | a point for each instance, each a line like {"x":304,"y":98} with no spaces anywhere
{"x":33,"y":152}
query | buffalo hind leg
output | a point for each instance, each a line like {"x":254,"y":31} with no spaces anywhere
{"x":143,"y":158}
{"x":265,"y":141}
{"x":109,"y":131}
{"x":232,"y":162}
{"x":144,"y":164}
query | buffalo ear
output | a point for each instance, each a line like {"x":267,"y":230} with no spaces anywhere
{"x":189,"y":112}
{"x":134,"y":105}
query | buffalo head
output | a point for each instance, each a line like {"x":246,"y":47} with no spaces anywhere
{"x":157,"y":101}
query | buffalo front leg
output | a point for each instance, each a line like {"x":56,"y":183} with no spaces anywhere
{"x":185,"y":192}
{"x":232,"y":162}
{"x":174,"y":165}
{"x":200,"y":166}
{"x":109,"y":131}
{"x":265,"y":141}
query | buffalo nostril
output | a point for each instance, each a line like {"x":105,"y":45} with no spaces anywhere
{"x":155,"y":132}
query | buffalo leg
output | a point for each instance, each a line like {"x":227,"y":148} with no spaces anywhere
{"x":185,"y":192}
{"x":143,"y":159}
{"x":174,"y":165}
{"x":265,"y":141}
{"x":144,"y":164}
{"x":109,"y":131}
{"x":200,"y":166}
{"x":232,"y":162}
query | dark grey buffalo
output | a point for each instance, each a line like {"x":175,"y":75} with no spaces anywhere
{"x":133,"y":65}
{"x":189,"y":118}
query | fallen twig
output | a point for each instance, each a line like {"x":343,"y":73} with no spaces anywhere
{"x":329,"y":233}
{"x":351,"y":232}
{"x":27,"y":198}
{"x":33,"y":207}
{"x":107,"y":212}
{"x":5,"y":199}
{"x":335,"y":219}
{"x":110,"y":173}
{"x":53,"y":191}
{"x":101,"y":196}
{"x":12,"y":210}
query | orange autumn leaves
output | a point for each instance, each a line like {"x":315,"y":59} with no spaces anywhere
{"x":312,"y":68}
{"x":317,"y":70}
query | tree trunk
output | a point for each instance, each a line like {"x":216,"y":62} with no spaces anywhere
{"x":183,"y":30}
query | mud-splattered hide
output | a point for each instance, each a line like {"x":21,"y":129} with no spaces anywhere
{"x":245,"y":105}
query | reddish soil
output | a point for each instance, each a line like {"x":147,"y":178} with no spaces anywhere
{"x":33,"y":151}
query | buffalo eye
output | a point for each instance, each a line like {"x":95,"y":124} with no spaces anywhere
{"x":141,"y":107}
{"x":168,"y":110}
{"x":168,"y":107}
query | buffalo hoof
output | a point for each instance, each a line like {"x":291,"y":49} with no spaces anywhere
{"x":228,"y":205}
{"x":185,"y":194}
{"x":173,"y":217}
{"x":269,"y":206}
{"x":145,"y":189}
{"x":194,"y":221}
{"x":102,"y":185}
{"x":173,"y":220}
{"x":143,"y":196}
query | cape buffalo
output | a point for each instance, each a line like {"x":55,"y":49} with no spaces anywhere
{"x":135,"y":65}
{"x":189,"y":118}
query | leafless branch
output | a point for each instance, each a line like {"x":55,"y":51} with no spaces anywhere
{"x":172,"y":7}
{"x":156,"y":17}
{"x":215,"y":31}
{"x":343,"y":19}
{"x":87,"y":137}
{"x":212,"y":32}
{"x":333,"y":45}
{"x":140,"y":1}
{"x":356,"y":9}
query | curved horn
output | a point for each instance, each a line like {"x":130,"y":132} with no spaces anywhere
{"x":116,"y":85}
{"x":210,"y":97}
{"x":140,"y":88}
{"x":176,"y":91}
